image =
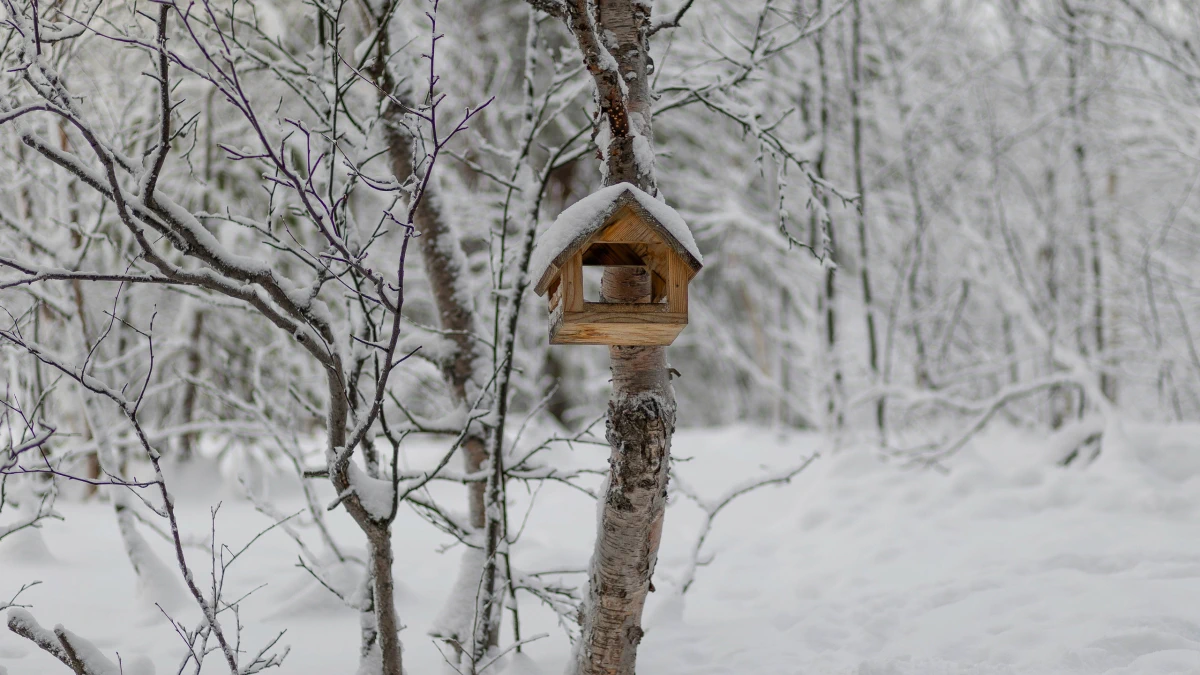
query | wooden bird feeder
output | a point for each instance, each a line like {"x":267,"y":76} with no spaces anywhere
{"x":618,"y":226}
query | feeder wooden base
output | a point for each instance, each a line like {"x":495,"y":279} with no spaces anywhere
{"x":632,"y":325}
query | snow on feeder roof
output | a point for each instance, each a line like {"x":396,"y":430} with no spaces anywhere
{"x":618,"y":226}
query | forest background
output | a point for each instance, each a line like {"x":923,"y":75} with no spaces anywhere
{"x":225,"y":224}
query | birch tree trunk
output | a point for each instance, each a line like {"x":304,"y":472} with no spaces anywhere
{"x":641,"y":411}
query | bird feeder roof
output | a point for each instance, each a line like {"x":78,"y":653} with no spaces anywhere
{"x":576,"y":225}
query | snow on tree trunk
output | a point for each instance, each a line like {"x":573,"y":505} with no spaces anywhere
{"x":75,"y":652}
{"x":446,"y":268}
{"x":385,"y":650}
{"x":156,"y":582}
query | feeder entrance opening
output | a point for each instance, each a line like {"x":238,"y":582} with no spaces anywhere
{"x":643,"y":257}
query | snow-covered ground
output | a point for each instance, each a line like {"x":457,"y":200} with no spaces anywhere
{"x":1005,"y":564}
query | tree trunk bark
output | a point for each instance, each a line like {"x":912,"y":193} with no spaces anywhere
{"x":641,"y":419}
{"x":1078,"y":102}
{"x":827,"y":296}
{"x":190,"y":439}
{"x":445,"y":268}
{"x":379,"y":534}
{"x":641,"y":411}
{"x":860,"y":185}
